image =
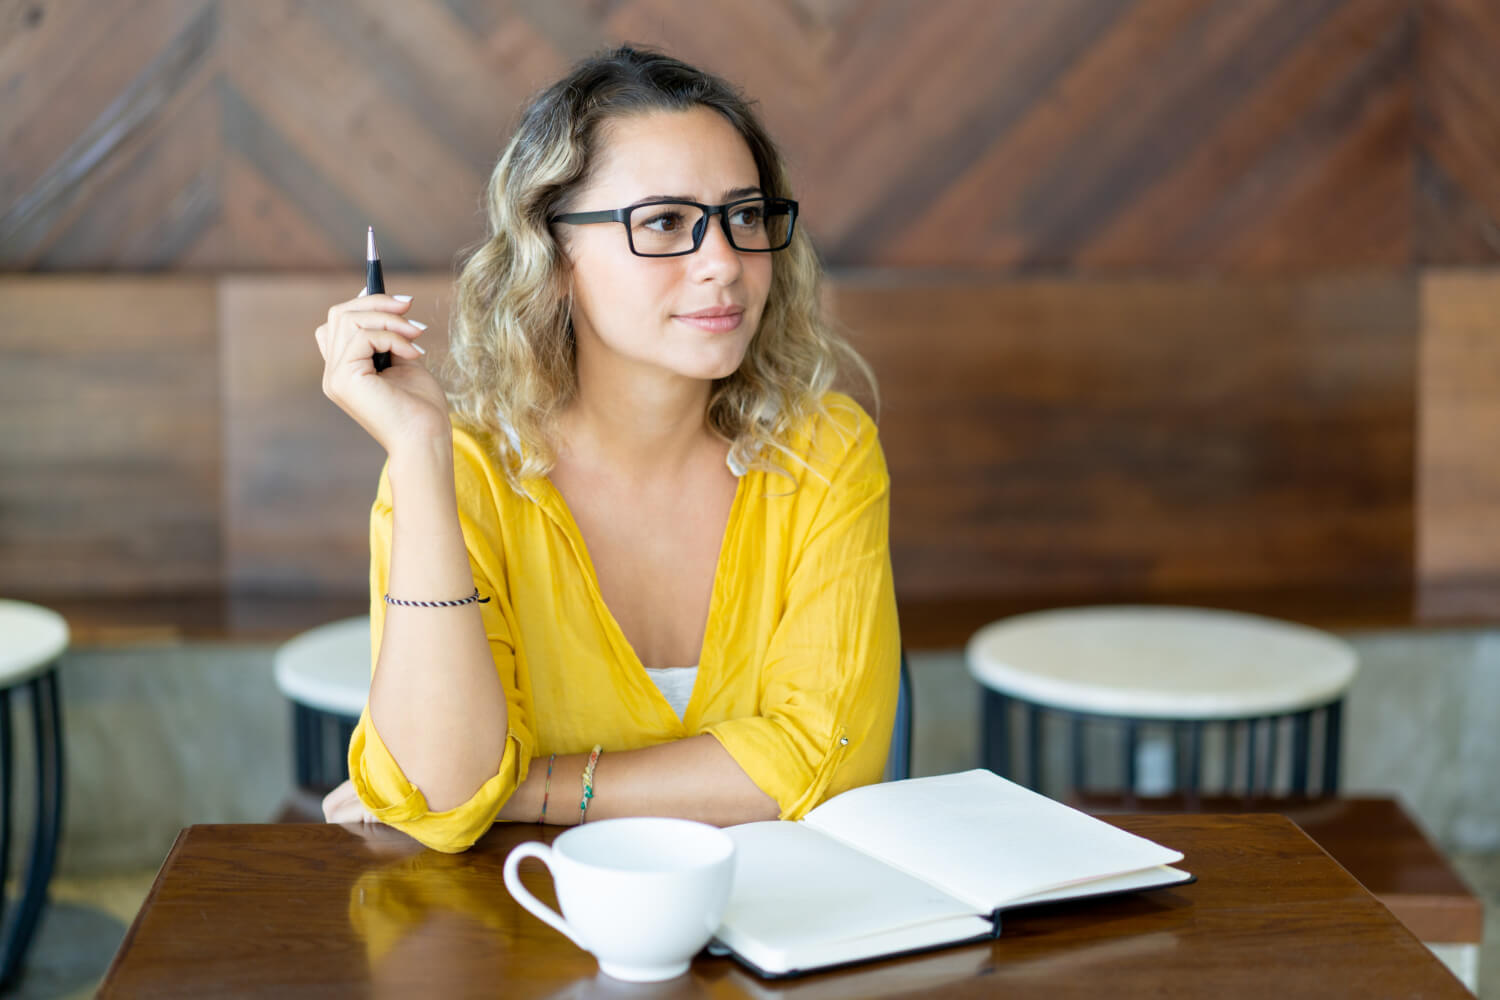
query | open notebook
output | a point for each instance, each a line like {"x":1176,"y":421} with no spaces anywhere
{"x":910,"y":865}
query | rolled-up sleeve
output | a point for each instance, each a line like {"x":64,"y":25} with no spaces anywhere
{"x":378,"y":779}
{"x":829,"y":678}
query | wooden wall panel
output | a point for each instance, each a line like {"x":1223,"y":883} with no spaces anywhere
{"x":1458,"y":153}
{"x":1078,"y":137}
{"x":299,"y":474}
{"x":1057,"y":438}
{"x":1458,"y":527}
{"x":1090,"y":438}
{"x":1070,"y":440}
{"x":109,"y":464}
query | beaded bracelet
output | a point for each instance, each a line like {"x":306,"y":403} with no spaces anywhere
{"x":547,"y":789}
{"x":588,"y":783}
{"x":473,"y":598}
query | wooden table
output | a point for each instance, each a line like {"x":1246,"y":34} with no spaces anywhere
{"x":1375,"y":839}
{"x":318,"y":910}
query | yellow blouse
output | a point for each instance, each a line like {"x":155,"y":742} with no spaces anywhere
{"x":798,"y":673}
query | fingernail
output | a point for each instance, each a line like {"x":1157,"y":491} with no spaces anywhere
{"x":401,"y":298}
{"x":364,"y":291}
{"x":418,"y":347}
{"x":418,"y":324}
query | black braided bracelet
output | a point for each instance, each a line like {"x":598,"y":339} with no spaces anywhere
{"x":473,"y":598}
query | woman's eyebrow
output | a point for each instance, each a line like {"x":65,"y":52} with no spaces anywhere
{"x":730,"y":195}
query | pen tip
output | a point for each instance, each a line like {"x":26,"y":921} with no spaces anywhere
{"x":370,"y":252}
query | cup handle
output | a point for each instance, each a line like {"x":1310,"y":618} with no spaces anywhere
{"x":543,"y":912}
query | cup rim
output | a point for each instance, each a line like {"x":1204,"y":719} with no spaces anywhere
{"x":600,"y":828}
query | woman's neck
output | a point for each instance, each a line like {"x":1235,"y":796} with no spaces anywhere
{"x":645,"y":427}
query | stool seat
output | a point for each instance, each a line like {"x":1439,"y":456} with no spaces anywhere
{"x":1182,"y":687}
{"x":31,"y":638}
{"x":327,"y":668}
{"x":1161,"y":662}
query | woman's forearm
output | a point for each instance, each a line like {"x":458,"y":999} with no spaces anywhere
{"x":436,"y":699}
{"x":695,"y":778}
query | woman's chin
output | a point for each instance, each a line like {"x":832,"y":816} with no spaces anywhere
{"x":712,"y":368}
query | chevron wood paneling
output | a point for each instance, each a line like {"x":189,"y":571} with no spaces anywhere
{"x":1084,"y":137}
{"x":1458,"y":163}
{"x":1116,"y":136}
{"x":110,"y":130}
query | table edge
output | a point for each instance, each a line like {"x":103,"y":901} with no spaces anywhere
{"x":140,"y":913}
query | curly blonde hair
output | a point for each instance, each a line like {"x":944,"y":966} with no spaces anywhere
{"x":512,"y":365}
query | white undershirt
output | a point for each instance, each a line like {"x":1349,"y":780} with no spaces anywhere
{"x":676,"y":685}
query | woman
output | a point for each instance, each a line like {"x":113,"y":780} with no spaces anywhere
{"x":642,"y":566}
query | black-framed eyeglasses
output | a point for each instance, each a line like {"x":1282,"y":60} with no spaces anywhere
{"x":669,"y":228}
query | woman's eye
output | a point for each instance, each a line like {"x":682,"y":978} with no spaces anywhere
{"x":746,"y":217}
{"x":664,"y":222}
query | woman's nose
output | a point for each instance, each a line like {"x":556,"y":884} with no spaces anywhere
{"x":715,"y":256}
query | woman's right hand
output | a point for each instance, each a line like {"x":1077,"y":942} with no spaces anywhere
{"x":403,"y":405}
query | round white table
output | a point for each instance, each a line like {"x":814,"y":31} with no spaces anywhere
{"x":31,"y":640}
{"x":1180,"y":666}
{"x":325,"y":673}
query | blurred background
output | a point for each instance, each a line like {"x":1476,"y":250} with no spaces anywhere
{"x":1171,"y":301}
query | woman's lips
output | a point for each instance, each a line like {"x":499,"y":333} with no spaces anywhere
{"x":715,"y":322}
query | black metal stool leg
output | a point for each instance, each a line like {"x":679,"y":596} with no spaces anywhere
{"x":303,"y":745}
{"x":6,"y":781}
{"x":1250,"y":755}
{"x":1252,"y":779}
{"x":1332,"y":720}
{"x":46,"y":714}
{"x":328,"y":751}
{"x":346,"y":733}
{"x":1195,"y":761}
{"x":1033,"y":747}
{"x":1301,"y":746}
{"x":1077,"y":753}
{"x":997,"y":733}
{"x":1231,"y":748}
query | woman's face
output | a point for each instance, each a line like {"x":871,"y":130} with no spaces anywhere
{"x":691,"y":316}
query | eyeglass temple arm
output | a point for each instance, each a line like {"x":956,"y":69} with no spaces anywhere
{"x":579,"y":218}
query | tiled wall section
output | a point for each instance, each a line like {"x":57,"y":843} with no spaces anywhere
{"x":159,"y":737}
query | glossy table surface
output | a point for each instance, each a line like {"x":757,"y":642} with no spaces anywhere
{"x":321,"y":910}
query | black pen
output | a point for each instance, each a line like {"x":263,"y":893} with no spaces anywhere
{"x":375,"y":285}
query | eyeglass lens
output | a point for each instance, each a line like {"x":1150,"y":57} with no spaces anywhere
{"x":677,"y":227}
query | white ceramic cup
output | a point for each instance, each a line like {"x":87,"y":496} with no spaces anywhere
{"x":642,"y":895}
